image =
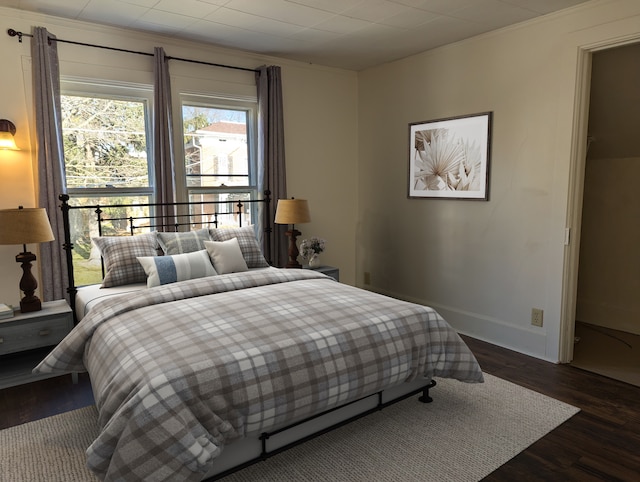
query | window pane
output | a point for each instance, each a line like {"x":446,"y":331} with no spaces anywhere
{"x":215,"y":146}
{"x":87,"y":265}
{"x":227,"y":212}
{"x":104,"y":142}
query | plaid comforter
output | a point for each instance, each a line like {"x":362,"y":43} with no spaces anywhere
{"x":181,"y":369}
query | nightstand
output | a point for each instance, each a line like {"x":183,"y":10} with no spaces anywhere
{"x":328,"y":270}
{"x":26,"y":338}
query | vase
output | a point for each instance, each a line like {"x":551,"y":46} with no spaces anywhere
{"x":314,"y":261}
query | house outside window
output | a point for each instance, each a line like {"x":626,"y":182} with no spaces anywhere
{"x":219,"y":160}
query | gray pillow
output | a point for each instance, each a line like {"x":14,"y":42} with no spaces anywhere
{"x":180,"y":243}
{"x":120,"y":255}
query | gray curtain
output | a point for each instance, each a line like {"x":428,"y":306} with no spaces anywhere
{"x":271,"y":161}
{"x":50,"y":152}
{"x":163,"y":139}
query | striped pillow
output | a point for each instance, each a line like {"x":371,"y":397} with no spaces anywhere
{"x":249,"y":246}
{"x":183,"y":242}
{"x":119,"y":254}
{"x":162,"y":270}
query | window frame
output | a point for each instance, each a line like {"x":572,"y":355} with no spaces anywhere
{"x":124,"y":91}
{"x":248,"y":105}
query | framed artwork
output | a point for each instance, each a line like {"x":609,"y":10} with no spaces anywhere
{"x":449,"y":158}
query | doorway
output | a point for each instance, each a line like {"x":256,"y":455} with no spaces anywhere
{"x":607,"y":302}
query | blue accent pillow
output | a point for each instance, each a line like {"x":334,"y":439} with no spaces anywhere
{"x":162,"y":270}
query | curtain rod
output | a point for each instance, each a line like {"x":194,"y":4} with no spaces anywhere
{"x":13,"y":33}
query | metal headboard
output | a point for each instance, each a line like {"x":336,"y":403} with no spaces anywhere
{"x":183,"y":218}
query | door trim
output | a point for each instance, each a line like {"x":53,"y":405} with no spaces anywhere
{"x":576,"y":191}
{"x":574,"y":207}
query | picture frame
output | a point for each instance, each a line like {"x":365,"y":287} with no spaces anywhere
{"x":449,"y":158}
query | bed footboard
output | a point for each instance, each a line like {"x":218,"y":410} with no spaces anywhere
{"x":300,"y":432}
{"x":425,"y":398}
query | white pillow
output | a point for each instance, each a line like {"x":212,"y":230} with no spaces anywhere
{"x":162,"y":270}
{"x":248,"y":242}
{"x":226,"y":256}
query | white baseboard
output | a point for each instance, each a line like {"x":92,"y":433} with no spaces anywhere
{"x":523,"y":340}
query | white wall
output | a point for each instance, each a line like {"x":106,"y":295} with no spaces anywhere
{"x":483,"y":265}
{"x":16,"y":175}
{"x":609,"y":278}
{"x":320,"y":129}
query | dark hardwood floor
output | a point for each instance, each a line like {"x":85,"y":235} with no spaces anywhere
{"x":602,"y":442}
{"x":36,"y":400}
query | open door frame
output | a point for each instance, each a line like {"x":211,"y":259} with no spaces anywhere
{"x":574,"y":208}
{"x":576,"y":192}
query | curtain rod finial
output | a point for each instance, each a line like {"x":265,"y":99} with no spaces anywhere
{"x":12,"y":33}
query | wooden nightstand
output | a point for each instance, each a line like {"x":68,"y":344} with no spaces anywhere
{"x":26,"y":338}
{"x":328,"y":270}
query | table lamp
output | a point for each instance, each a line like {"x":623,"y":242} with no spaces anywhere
{"x":26,"y":226}
{"x":292,"y":211}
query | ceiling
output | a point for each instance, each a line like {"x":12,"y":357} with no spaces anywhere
{"x":349,"y":34}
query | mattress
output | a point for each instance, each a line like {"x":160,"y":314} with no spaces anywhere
{"x":88,"y":296}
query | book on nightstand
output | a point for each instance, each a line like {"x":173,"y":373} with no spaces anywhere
{"x":6,"y":311}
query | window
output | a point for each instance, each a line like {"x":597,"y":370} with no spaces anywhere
{"x":105,"y":143}
{"x":108,"y":160}
{"x":107,"y":151}
{"x":219,"y":164}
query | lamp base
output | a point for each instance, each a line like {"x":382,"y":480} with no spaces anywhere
{"x":28,"y":284}
{"x":292,"y":234}
{"x":29,"y":305}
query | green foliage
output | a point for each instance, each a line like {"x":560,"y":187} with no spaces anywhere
{"x":85,"y":272}
{"x":104,"y":142}
{"x":198,"y":120}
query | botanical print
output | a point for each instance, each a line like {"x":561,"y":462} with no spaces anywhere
{"x":449,"y":157}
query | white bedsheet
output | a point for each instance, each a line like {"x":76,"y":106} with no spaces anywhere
{"x":88,"y":295}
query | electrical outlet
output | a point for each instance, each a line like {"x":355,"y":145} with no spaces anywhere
{"x":367,"y":278}
{"x":536,"y":316}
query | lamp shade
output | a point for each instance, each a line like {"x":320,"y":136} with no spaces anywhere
{"x":24,"y":226}
{"x":7,"y":131}
{"x":292,"y":211}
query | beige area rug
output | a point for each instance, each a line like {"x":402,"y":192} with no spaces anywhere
{"x":612,"y":353}
{"x":466,"y":433}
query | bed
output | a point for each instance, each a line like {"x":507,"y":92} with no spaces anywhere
{"x":200,"y":376}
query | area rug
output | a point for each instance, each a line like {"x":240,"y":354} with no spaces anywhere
{"x":465,"y":434}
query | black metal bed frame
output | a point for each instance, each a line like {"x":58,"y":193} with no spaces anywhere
{"x":266,"y":454}
{"x":183,"y":217}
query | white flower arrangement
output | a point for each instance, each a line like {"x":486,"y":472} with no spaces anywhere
{"x":311,"y":247}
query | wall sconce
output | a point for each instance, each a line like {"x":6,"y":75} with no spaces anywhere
{"x":7,"y":131}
